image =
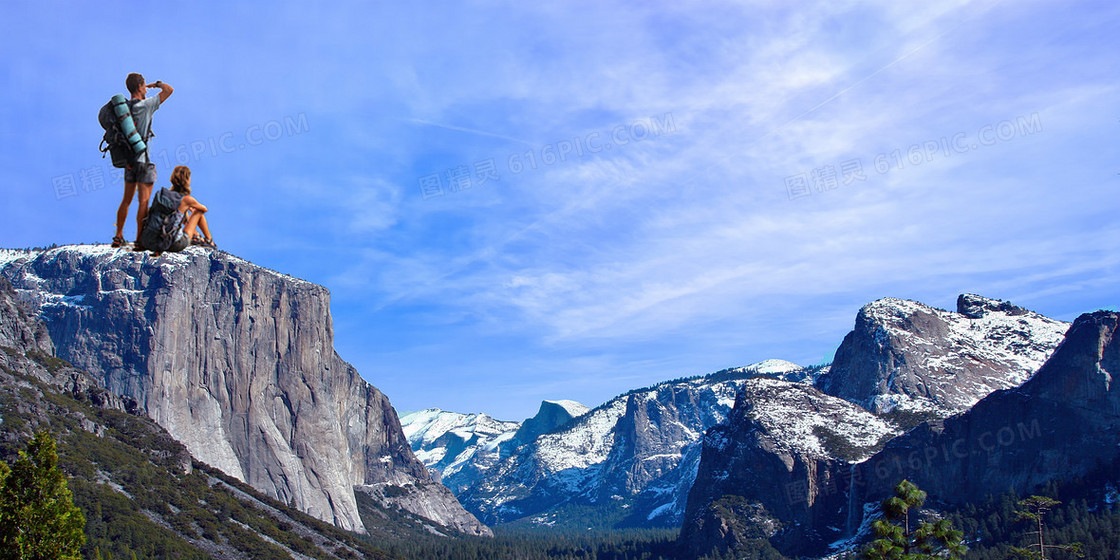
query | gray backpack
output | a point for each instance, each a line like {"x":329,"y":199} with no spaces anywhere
{"x":164,"y":224}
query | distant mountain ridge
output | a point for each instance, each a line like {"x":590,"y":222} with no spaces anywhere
{"x":459,"y":448}
{"x":632,"y":458}
{"x":550,"y":416}
{"x":455,"y":447}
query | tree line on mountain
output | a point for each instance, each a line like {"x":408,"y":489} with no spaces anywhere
{"x":1078,"y":523}
{"x":999,"y":528}
{"x":136,"y":487}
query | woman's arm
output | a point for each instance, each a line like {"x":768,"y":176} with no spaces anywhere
{"x":192,"y":204}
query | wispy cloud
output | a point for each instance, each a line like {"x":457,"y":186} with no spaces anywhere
{"x":634,"y":261}
{"x":470,"y":131}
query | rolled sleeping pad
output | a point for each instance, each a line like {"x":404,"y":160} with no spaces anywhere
{"x":128,"y":127}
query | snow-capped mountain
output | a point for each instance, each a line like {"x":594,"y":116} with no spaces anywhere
{"x":632,"y":459}
{"x":458,"y":448}
{"x":907,"y":356}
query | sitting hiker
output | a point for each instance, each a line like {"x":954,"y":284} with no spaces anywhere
{"x":190,"y":207}
{"x":174,"y":217}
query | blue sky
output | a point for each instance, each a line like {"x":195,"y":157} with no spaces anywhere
{"x":444,"y":170}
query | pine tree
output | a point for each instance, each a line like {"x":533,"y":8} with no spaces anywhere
{"x":1034,"y":509}
{"x":38,"y":518}
{"x":897,"y":541}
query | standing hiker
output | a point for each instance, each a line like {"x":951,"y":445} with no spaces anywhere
{"x":139,"y":176}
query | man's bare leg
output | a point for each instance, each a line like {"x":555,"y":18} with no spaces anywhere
{"x":144,"y":196}
{"x":122,"y":212}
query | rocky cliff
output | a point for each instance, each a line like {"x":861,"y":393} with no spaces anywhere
{"x":550,"y":416}
{"x":138,"y":487}
{"x":19,"y":327}
{"x":1061,"y":424}
{"x":26,"y":347}
{"x":908,"y":357}
{"x":778,"y":464}
{"x":236,"y":362}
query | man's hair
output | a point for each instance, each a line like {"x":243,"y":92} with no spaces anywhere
{"x":181,"y":179}
{"x":134,"y":82}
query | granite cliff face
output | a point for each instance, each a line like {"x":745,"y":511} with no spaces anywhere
{"x":236,"y":362}
{"x":25,"y":346}
{"x":550,"y":416}
{"x":19,"y":328}
{"x":906,"y":356}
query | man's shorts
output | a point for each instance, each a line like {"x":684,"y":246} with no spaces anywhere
{"x":140,"y":173}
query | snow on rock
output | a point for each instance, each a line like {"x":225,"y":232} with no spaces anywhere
{"x":799,"y":418}
{"x":784,"y":449}
{"x":907,"y":356}
{"x":573,"y":408}
{"x":587,"y":444}
{"x":636,"y":453}
{"x":774,"y":366}
{"x":456,"y":447}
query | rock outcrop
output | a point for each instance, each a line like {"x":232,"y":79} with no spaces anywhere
{"x":550,"y":416}
{"x":20,"y":328}
{"x":1062,"y":424}
{"x":778,"y":465}
{"x":906,"y":356}
{"x":25,"y":346}
{"x":236,"y":362}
